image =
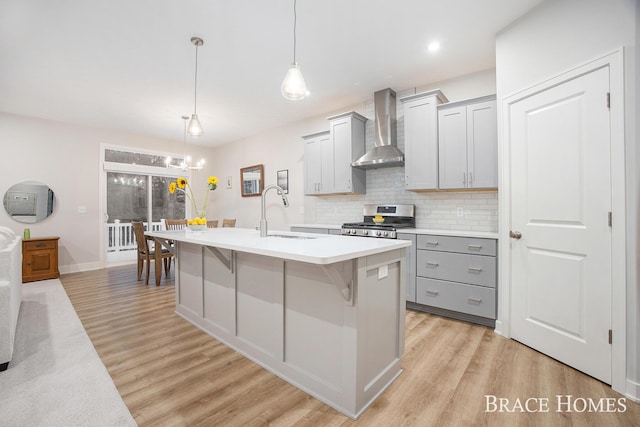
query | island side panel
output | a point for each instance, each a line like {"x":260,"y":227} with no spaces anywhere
{"x":316,"y":353}
{"x":219,"y":291}
{"x":189,"y":300}
{"x":259,"y":303}
{"x":381,"y":323}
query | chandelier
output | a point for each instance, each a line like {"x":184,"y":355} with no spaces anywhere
{"x":185,"y":165}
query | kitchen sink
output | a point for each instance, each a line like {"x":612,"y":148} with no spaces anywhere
{"x":292,"y":236}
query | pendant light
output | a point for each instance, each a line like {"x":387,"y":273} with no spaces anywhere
{"x":293,"y":86}
{"x":194,"y":128}
{"x":185,"y":165}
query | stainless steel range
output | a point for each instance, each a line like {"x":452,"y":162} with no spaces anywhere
{"x":393,"y":218}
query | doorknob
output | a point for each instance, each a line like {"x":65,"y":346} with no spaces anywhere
{"x":515,"y":234}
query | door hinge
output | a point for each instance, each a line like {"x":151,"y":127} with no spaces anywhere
{"x":609,"y":100}
{"x":610,"y":336}
{"x":610,"y":219}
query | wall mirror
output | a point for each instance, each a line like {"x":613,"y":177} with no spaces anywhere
{"x":252,"y":180}
{"x":29,"y":202}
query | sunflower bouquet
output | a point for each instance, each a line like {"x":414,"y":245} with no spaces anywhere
{"x":181,"y":184}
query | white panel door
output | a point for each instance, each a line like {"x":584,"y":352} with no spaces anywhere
{"x":560,"y":200}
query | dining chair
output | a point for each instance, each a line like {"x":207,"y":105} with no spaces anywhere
{"x":175,"y":224}
{"x":229,"y":222}
{"x":147,"y":255}
{"x":212,"y":224}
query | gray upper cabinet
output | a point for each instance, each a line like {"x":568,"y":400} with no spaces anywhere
{"x":421,"y":139}
{"x":467,"y":144}
{"x":318,"y":163}
{"x":347,"y":133}
{"x":328,"y":156}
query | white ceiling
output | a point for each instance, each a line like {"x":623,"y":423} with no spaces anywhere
{"x":129,"y":64}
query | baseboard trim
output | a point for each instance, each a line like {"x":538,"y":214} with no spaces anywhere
{"x":76,"y":268}
{"x":633,"y":391}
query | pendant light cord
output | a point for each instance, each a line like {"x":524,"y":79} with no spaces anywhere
{"x":295,"y":19}
{"x":195,"y":94}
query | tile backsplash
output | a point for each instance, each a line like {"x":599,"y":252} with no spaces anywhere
{"x":445,"y":210}
{"x":451,"y":210}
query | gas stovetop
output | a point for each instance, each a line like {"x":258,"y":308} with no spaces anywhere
{"x":392,"y":216}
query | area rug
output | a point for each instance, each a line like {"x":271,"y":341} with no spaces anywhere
{"x":56,"y":378}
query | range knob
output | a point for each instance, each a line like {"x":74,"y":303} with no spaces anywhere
{"x":365,"y":232}
{"x":385,"y":234}
{"x":378,"y":233}
{"x":353,"y":232}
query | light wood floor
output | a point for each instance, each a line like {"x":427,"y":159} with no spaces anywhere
{"x":169,"y":373}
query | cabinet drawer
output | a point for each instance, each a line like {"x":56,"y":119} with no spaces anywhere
{"x":470,"y":299}
{"x":473,"y":269}
{"x":468,"y":245}
{"x":38,"y":245}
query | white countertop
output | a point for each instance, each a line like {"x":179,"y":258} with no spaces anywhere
{"x":437,"y":232}
{"x":316,"y":249}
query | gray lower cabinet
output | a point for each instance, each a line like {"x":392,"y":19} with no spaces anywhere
{"x":457,"y":277}
{"x":410,"y":279}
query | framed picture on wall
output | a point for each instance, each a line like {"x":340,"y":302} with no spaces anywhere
{"x":283,"y":180}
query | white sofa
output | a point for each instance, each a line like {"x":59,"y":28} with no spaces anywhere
{"x":10,"y":292}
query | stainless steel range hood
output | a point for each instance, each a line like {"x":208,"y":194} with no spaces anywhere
{"x":384,"y":153}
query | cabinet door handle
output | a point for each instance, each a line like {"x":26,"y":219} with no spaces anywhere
{"x":475,"y":269}
{"x":432,"y":264}
{"x":40,"y":245}
{"x":470,"y":178}
{"x":464,"y":178}
{"x":474,"y":247}
{"x":432,"y":242}
{"x":434,"y":293}
{"x":474,"y":300}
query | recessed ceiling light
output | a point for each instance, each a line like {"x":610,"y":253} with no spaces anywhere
{"x":434,"y":46}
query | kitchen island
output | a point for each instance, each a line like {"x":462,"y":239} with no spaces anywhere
{"x":325,"y":313}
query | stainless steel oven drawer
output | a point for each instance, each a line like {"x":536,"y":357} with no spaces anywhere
{"x":470,"y":299}
{"x":469,"y":245}
{"x":472,"y":269}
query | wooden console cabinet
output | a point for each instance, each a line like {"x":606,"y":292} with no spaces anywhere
{"x":40,"y":259}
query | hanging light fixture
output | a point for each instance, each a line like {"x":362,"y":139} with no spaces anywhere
{"x":293,"y":86}
{"x":185,"y":165}
{"x":195,"y":129}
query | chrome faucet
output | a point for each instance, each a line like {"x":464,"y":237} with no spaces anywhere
{"x":263,"y":218}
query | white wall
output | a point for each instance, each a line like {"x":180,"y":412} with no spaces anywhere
{"x":278,"y":149}
{"x":67,"y":159}
{"x":559,"y":35}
